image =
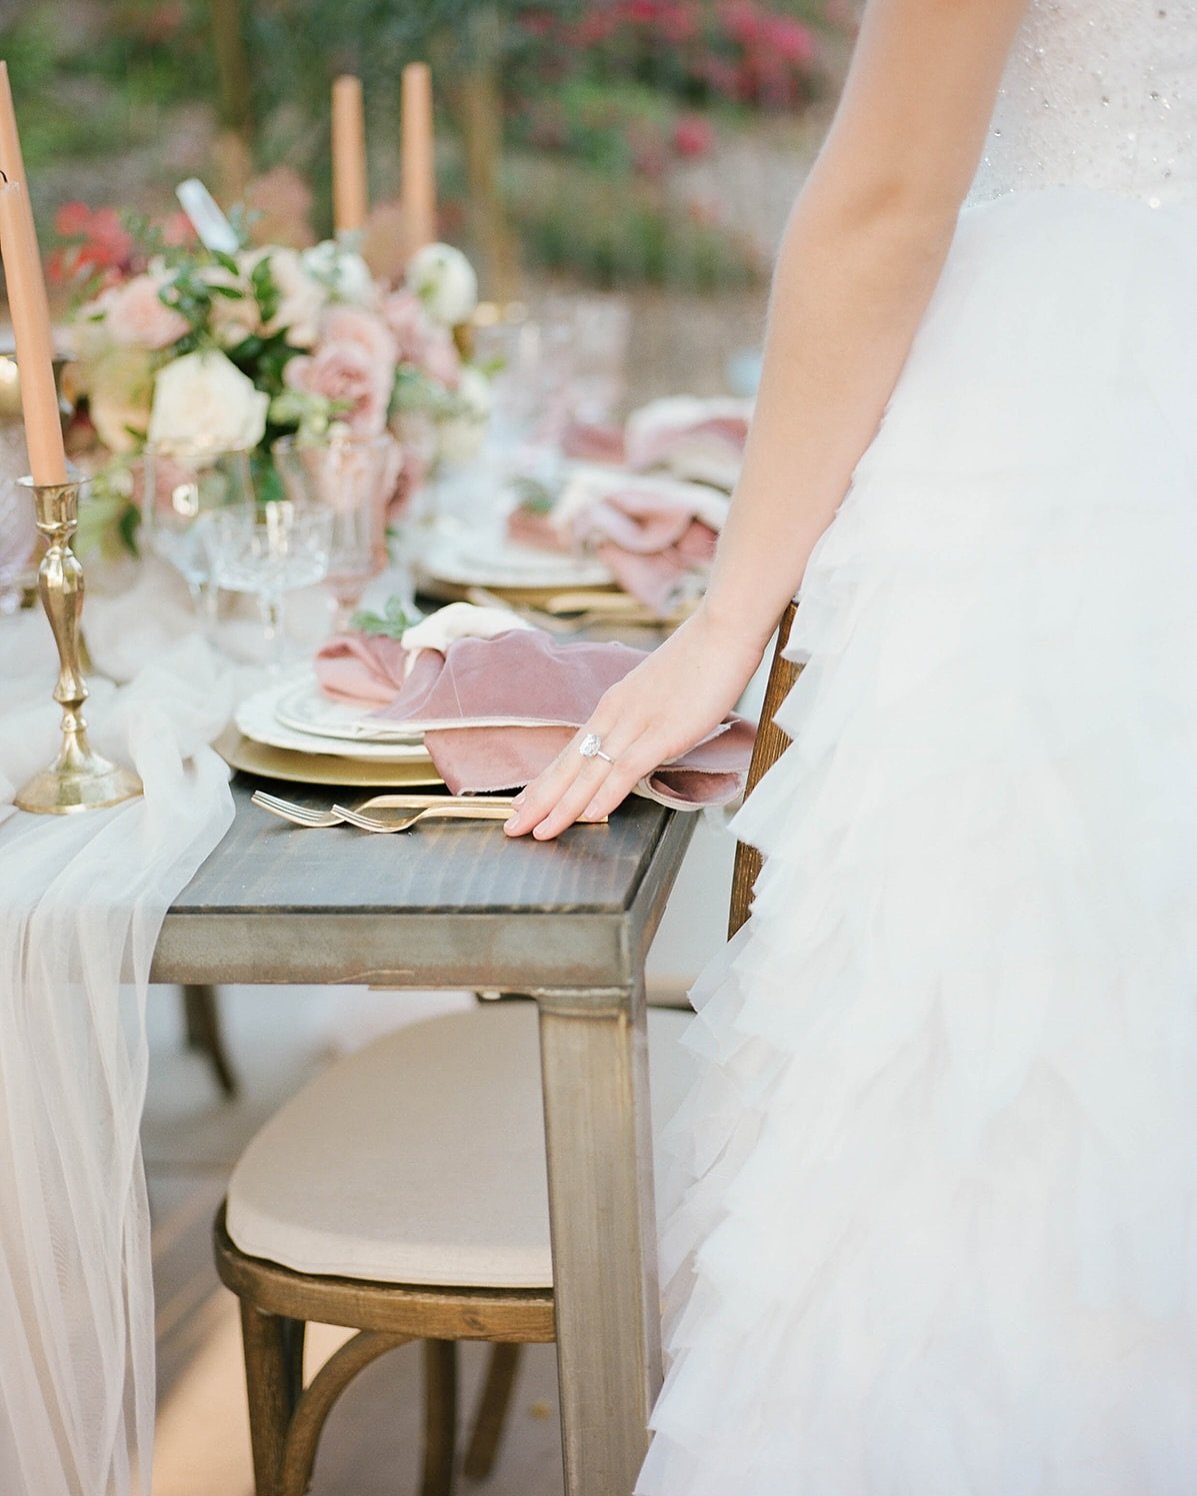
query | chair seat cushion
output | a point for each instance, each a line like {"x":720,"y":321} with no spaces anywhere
{"x":420,"y":1159}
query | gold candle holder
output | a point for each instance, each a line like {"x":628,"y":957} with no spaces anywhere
{"x":79,"y":778}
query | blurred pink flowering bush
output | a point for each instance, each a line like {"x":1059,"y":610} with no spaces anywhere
{"x":731,"y":51}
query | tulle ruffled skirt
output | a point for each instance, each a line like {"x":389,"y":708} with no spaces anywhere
{"x":931,"y":1228}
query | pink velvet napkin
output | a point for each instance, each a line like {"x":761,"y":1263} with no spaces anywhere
{"x":365,"y":668}
{"x":495,"y":712}
{"x":710,"y":448}
{"x":652,"y":541}
{"x":655,"y":535}
{"x":590,"y":443}
{"x":534,"y":526}
{"x":693,"y":438}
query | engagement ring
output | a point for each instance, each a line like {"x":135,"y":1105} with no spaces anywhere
{"x":591,"y":746}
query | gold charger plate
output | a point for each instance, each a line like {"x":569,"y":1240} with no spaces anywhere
{"x":530,"y":597}
{"x":240,"y":752}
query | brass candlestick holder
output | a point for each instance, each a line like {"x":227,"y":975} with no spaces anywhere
{"x":78,"y":779}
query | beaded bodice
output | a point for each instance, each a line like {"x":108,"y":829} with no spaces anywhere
{"x":1101,"y":94}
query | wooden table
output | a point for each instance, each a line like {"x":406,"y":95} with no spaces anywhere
{"x":567,"y":923}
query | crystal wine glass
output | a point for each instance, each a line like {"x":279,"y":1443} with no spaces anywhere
{"x":353,"y":478}
{"x":184,"y":489}
{"x":281,"y":548}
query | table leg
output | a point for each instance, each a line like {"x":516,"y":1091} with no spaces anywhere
{"x":201,"y":1017}
{"x":594,"y":1059}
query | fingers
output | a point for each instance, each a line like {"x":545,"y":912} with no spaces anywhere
{"x":577,"y":789}
{"x":585,"y":791}
{"x":569,"y":779}
{"x":546,"y":790}
{"x":620,"y":781}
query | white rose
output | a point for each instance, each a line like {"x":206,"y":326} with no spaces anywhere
{"x":445,"y":282}
{"x":204,"y":399}
{"x":345,"y":275}
{"x":462,"y":435}
{"x":302,"y":297}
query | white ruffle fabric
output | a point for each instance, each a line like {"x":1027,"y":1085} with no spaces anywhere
{"x":930,"y":1229}
{"x":81,"y":901}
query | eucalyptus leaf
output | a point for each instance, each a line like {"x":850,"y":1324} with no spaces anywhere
{"x":392,"y":623}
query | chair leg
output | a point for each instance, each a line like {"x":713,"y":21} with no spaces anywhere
{"x":202,"y":1020}
{"x":273,"y":1379}
{"x":491,"y":1414}
{"x":440,"y":1417}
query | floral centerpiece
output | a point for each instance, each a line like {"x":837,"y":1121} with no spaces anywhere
{"x":182,"y":345}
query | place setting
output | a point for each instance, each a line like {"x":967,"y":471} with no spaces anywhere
{"x":627,"y":539}
{"x":472,"y":700}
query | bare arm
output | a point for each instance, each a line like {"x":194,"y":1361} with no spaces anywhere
{"x":860,"y":258}
{"x":861,"y":255}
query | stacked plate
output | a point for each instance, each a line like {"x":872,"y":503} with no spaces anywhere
{"x":292,"y":731}
{"x":457,"y":563}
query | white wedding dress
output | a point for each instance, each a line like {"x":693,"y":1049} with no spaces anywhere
{"x":932,"y":1226}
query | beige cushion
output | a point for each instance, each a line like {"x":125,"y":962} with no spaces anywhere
{"x":420,"y":1159}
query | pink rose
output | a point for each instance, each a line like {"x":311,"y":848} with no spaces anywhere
{"x":136,"y":316}
{"x":351,"y":324}
{"x":420,"y":341}
{"x":411,"y":477}
{"x":403,"y":312}
{"x":441,"y":360}
{"x":344,"y":372}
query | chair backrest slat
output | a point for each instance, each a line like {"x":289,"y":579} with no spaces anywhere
{"x":771,"y":743}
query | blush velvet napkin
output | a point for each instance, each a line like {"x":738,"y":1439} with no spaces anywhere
{"x":683,"y":435}
{"x":656,"y":534}
{"x":496,"y":711}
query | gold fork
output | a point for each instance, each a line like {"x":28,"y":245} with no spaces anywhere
{"x":479,"y":810}
{"x":407,"y":819}
{"x":307,"y":816}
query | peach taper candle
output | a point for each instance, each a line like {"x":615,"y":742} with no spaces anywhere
{"x":351,"y":198}
{"x":11,"y":163}
{"x":30,"y":314}
{"x":418,"y":157}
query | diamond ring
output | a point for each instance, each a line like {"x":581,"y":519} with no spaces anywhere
{"x":591,"y":746}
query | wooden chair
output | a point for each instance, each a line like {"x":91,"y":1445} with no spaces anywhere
{"x":356,"y":1206}
{"x":403,"y":1194}
{"x":770,"y":744}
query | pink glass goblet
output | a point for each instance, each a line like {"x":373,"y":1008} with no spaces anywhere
{"x":353,"y":477}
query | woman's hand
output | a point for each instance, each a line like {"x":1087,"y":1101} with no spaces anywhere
{"x":669,"y":702}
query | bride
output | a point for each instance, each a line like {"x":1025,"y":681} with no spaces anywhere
{"x":933,"y":1230}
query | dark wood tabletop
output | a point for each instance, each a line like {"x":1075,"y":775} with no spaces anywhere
{"x":443,"y":905}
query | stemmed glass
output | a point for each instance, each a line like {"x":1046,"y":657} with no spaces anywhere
{"x":184,"y":490}
{"x":352,"y":478}
{"x":531,"y":389}
{"x":602,"y":327}
{"x":268,"y":553}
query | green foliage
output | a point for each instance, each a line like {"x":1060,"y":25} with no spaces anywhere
{"x":392,"y":623}
{"x":100,"y":89}
{"x":615,"y":128}
{"x":627,"y":233}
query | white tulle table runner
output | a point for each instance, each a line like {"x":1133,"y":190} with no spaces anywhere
{"x":82,"y":899}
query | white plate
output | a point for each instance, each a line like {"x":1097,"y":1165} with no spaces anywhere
{"x":257,"y":718}
{"x":467,"y":561}
{"x":307,"y":709}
